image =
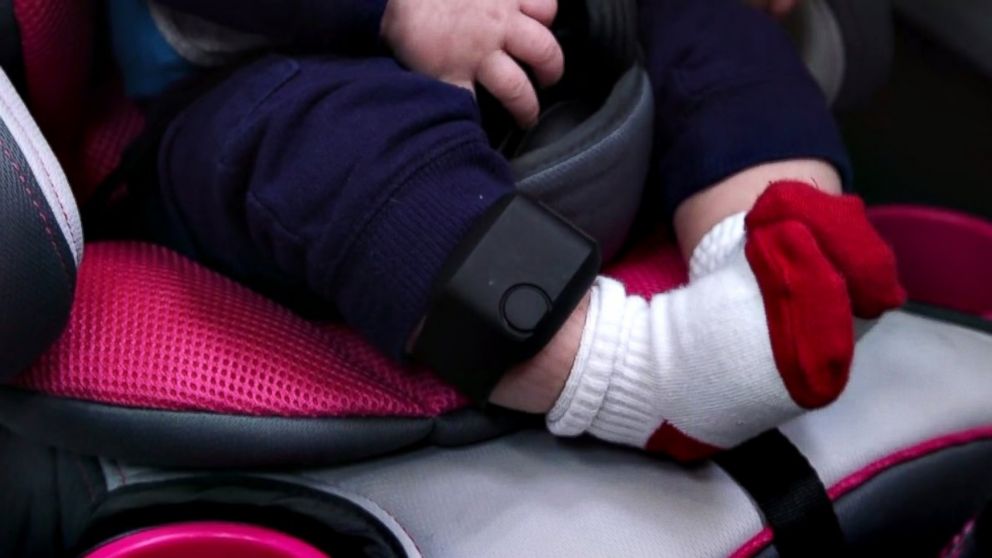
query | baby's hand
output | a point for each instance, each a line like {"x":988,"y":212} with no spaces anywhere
{"x":467,"y":41}
{"x":778,"y":8}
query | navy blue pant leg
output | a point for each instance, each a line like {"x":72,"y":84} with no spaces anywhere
{"x":730,"y":93}
{"x":352,"y":179}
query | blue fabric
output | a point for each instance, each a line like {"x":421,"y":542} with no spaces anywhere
{"x":351,"y":178}
{"x":150,"y":65}
{"x":730,"y":93}
{"x":354,"y":179}
{"x":147,"y":62}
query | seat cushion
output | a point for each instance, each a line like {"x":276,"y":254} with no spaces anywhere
{"x":904,"y":454}
{"x":156,"y":341}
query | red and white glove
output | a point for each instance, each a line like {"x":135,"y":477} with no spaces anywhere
{"x":762,"y":332}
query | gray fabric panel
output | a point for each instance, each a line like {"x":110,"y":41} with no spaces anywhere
{"x":529,"y":494}
{"x":37,"y":269}
{"x":601,"y":164}
{"x":196,"y":439}
{"x":202,"y":42}
{"x":914,"y":508}
{"x":821,"y":44}
{"x":908,"y":510}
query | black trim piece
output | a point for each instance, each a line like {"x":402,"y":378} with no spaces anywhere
{"x":47,"y":496}
{"x":336,"y":526}
{"x":869,"y":45}
{"x":81,"y":487}
{"x":11,"y":54}
{"x":503,"y":293}
{"x":947,"y":315}
{"x":789,"y":494}
{"x":209,"y":440}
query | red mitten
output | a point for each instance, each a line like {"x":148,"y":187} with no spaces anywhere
{"x":809,"y":250}
{"x":842,"y":230}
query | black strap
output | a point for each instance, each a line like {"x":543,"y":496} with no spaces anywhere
{"x":509,"y":285}
{"x":790,"y":495}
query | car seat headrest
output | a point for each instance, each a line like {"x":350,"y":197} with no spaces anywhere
{"x":587,"y":157}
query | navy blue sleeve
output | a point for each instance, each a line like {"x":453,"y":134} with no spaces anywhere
{"x":348,"y":24}
{"x":730,"y":93}
{"x":350,"y":178}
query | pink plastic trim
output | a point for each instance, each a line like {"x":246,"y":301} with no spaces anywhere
{"x":760,"y":541}
{"x":207,"y":539}
{"x":944,"y":256}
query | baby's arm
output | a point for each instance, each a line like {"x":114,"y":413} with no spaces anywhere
{"x":457,"y":41}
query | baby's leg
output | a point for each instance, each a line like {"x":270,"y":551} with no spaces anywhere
{"x":738,"y":350}
{"x":352,"y":179}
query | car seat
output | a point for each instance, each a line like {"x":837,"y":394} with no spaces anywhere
{"x":176,"y":397}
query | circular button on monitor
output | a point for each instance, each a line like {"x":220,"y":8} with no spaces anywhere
{"x":524,"y":306}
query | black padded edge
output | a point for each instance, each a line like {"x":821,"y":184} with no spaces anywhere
{"x":330,"y":523}
{"x":913,"y":509}
{"x":869,"y":44}
{"x":969,"y":321}
{"x":208,"y":440}
{"x":48,"y":496}
{"x":622,"y":101}
{"x":11,"y":55}
{"x":619,"y":137}
{"x":37,"y":268}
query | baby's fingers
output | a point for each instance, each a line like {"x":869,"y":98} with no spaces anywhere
{"x":506,"y":80}
{"x":542,"y":10}
{"x":533,"y":44}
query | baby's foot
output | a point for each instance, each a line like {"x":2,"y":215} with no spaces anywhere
{"x":762,"y":332}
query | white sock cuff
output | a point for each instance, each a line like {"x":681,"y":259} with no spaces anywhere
{"x":716,"y":246}
{"x":632,"y":406}
{"x":589,"y":379}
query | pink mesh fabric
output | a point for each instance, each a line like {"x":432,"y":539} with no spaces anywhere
{"x":151,"y":329}
{"x":88,"y":124}
{"x":111,"y":125}
{"x":57,"y":44}
{"x":653,"y":265}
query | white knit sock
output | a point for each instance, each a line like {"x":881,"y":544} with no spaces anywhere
{"x":697,"y":359}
